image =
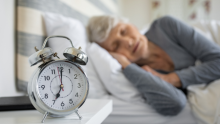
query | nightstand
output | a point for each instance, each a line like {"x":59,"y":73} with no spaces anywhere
{"x":94,"y":111}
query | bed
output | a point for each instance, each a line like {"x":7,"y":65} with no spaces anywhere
{"x":31,"y":31}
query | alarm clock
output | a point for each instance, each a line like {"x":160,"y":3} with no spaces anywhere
{"x":58,"y":87}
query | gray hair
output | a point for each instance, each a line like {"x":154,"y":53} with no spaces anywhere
{"x":99,"y":27}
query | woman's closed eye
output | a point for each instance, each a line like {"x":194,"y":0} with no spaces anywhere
{"x":123,"y":32}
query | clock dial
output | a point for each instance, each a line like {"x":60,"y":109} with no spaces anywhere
{"x":62,"y":85}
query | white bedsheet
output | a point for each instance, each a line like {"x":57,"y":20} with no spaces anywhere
{"x":129,"y":113}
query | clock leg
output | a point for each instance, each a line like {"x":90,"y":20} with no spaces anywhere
{"x":45,"y":116}
{"x":77,"y":113}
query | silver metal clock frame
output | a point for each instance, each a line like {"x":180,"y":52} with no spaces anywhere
{"x":41,"y":106}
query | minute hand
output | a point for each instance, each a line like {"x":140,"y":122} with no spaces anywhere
{"x":60,"y":78}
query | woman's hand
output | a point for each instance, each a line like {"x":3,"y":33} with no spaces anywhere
{"x":171,"y":78}
{"x":121,"y":59}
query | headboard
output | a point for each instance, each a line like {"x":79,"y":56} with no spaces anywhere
{"x":31,"y":31}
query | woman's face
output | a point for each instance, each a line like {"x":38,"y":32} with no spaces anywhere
{"x":125,"y":39}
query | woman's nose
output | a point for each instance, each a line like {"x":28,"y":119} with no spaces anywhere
{"x":130,"y":43}
{"x":127,"y":42}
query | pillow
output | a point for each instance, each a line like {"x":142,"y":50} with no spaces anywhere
{"x":205,"y":102}
{"x":96,"y":88}
{"x":73,"y":29}
{"x":110,"y":73}
{"x":145,"y":29}
{"x":210,"y":29}
{"x":69,"y":27}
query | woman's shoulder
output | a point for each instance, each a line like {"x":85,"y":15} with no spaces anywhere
{"x":166,"y":21}
{"x":166,"y":18}
{"x":166,"y":24}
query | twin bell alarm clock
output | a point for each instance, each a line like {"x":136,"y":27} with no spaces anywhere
{"x":58,"y":87}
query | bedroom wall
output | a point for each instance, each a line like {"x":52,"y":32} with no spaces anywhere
{"x":138,"y":11}
{"x":7,"y":60}
{"x":215,"y":10}
{"x":143,"y":12}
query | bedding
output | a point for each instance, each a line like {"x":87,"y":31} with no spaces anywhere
{"x":110,"y":73}
{"x":129,"y":113}
{"x":205,"y":102}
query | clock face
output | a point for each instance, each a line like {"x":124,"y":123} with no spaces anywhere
{"x":62,"y":86}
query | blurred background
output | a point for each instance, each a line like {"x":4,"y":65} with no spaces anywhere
{"x":143,"y":12}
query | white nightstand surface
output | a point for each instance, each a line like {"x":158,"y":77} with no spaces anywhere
{"x":94,"y":111}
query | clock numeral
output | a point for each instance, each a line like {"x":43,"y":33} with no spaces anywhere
{"x":69,"y":70}
{"x":76,"y":95}
{"x":60,"y":68}
{"x":62,"y":104}
{"x":46,"y":96}
{"x":42,"y":86}
{"x":47,"y":78}
{"x":79,"y":85}
{"x":70,"y":101}
{"x":53,"y":71}
{"x":75,"y":76}
{"x":53,"y":101}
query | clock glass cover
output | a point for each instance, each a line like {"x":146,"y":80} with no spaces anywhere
{"x":62,"y":85}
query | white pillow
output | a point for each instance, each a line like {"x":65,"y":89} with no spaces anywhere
{"x":210,"y":29}
{"x":96,"y":88}
{"x":205,"y":102}
{"x":145,"y":29}
{"x":110,"y":73}
{"x":73,"y":29}
{"x":69,"y":27}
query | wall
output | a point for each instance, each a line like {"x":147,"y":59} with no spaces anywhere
{"x":7,"y":60}
{"x":215,"y":10}
{"x":142,"y":12}
{"x":137,"y":11}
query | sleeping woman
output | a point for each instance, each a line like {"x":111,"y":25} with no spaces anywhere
{"x":160,"y":63}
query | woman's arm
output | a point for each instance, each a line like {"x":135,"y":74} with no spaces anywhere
{"x":198,"y":46}
{"x":171,"y":78}
{"x":162,"y":96}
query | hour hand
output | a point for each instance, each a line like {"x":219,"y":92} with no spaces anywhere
{"x":58,"y":94}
